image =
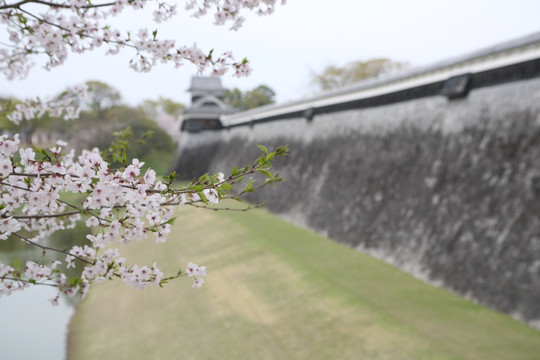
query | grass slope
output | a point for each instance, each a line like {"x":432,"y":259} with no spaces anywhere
{"x":275,"y":291}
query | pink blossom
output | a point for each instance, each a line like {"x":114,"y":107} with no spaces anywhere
{"x":5,"y":167}
{"x":197,"y":282}
{"x":191,"y":269}
{"x":121,"y":205}
{"x":211,"y":195}
{"x":54,"y":301}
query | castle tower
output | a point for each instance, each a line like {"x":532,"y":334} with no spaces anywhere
{"x":207,"y":105}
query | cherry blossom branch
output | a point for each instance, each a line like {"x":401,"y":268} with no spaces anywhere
{"x":53,"y":34}
{"x":32,"y":282}
{"x":250,"y":207}
{"x":43,"y":247}
{"x":119,"y":205}
{"x":15,"y":186}
{"x":123,"y":204}
{"x":42,"y":216}
{"x":54,"y":5}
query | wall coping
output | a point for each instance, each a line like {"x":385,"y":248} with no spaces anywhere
{"x":500,"y":55}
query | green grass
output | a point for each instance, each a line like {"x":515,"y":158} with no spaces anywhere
{"x":275,"y":291}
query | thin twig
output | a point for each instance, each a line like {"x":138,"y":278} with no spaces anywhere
{"x":251,"y":207}
{"x":43,"y":215}
{"x":29,"y":281}
{"x":43,"y":247}
{"x":51,"y":4}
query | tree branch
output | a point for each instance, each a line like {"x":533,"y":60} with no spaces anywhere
{"x":43,"y":247}
{"x":69,"y":213}
{"x":18,"y":5}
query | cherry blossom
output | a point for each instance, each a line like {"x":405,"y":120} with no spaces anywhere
{"x":63,"y":106}
{"x":119,"y":205}
{"x":53,"y":29}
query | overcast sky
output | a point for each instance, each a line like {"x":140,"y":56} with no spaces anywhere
{"x":302,"y":37}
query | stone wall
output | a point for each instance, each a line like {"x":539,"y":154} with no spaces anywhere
{"x":448,"y":191}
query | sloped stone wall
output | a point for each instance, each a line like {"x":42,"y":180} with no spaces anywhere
{"x":446,"y":190}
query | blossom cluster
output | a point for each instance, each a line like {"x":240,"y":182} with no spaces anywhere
{"x":117,"y":205}
{"x":66,"y":106}
{"x":54,"y":28}
{"x":197,"y":272}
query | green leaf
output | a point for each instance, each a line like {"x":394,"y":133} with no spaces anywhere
{"x":203,"y":197}
{"x":235,"y":171}
{"x":270,"y":156}
{"x":197,"y":188}
{"x":226,"y":187}
{"x":267,"y":173}
{"x":204,"y":178}
{"x":171,"y":221}
{"x":16,"y":263}
{"x":74,"y":281}
{"x":282,"y":150}
{"x":224,"y":190}
{"x":263,"y":148}
{"x":249,"y":186}
{"x":22,"y":19}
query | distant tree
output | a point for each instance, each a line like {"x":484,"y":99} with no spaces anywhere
{"x":90,"y":130}
{"x":335,"y":77}
{"x":7,"y":105}
{"x":170,"y":107}
{"x":261,"y":95}
{"x":26,"y":127}
{"x":101,"y":97}
{"x":162,"y":105}
{"x":234,"y":98}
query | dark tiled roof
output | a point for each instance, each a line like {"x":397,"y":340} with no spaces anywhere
{"x":205,"y":84}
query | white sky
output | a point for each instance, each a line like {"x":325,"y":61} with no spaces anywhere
{"x":302,"y":37}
